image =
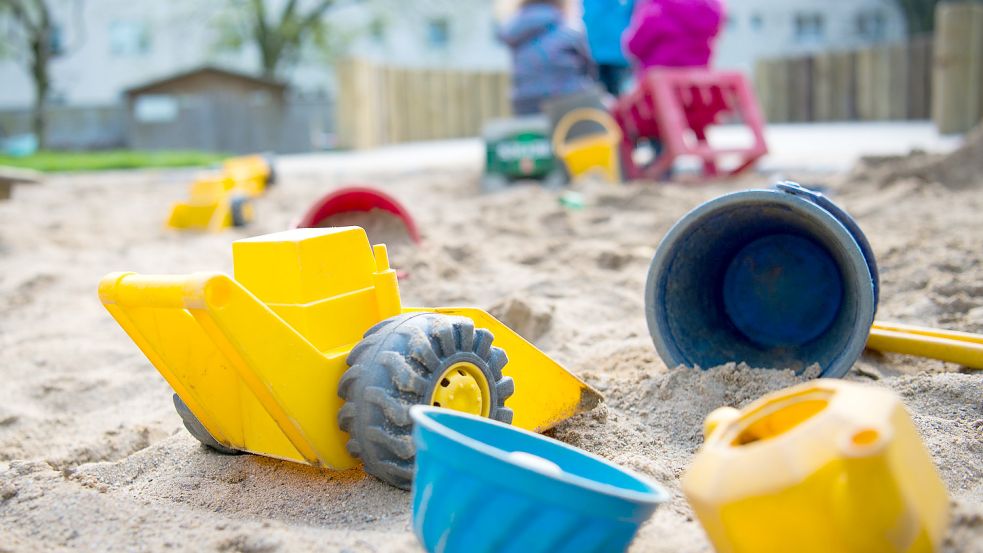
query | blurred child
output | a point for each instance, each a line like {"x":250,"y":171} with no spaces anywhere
{"x":549,"y":59}
{"x":673,"y":33}
{"x":605,"y":22}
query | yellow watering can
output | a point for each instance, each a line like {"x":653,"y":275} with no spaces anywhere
{"x":595,"y":152}
{"x":825,"y":466}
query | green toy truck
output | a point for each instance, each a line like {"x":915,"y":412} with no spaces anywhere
{"x":520,"y":149}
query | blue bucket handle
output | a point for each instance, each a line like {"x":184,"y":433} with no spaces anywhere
{"x":844,"y":218}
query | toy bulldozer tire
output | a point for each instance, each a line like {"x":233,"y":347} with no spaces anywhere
{"x":410,"y":359}
{"x":240,"y":207}
{"x":196,"y":429}
{"x":271,"y":176}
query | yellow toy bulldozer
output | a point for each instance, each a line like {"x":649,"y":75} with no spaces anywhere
{"x":308,"y":354}
{"x":224,"y":199}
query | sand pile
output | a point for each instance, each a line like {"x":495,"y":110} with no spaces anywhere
{"x":92,"y":456}
{"x":958,"y":169}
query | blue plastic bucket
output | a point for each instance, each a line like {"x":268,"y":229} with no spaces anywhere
{"x":485,"y":487}
{"x":778,"y":278}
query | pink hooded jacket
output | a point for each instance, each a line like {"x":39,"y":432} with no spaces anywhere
{"x":673,"y":33}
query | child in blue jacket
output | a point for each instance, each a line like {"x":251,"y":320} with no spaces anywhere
{"x":606,"y":21}
{"x":549,"y":59}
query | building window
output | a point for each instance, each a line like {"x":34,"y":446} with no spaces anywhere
{"x":128,"y":38}
{"x":757,"y":22}
{"x":438,"y":32}
{"x":377,"y":30}
{"x":155,"y":108}
{"x":871,"y":25}
{"x":810,"y":27}
{"x":56,"y":40}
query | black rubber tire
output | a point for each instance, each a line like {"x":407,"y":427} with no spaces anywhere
{"x":196,"y":429}
{"x":271,"y":163}
{"x":397,"y":365}
{"x":238,"y":205}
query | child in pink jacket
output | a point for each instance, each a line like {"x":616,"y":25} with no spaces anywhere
{"x":673,"y":33}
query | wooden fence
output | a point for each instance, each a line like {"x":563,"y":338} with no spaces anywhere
{"x":940,"y":78}
{"x":380,"y":105}
{"x":72,"y":127}
{"x":888,"y":82}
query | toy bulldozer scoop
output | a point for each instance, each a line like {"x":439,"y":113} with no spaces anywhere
{"x":308,"y":354}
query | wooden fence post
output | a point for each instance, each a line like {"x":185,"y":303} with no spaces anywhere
{"x":957,"y":80}
{"x":846,"y":80}
{"x":772,"y":84}
{"x":800,"y":89}
{"x":762,"y":87}
{"x":919,"y":60}
{"x":874,"y":92}
{"x":896,"y":69}
{"x":824,"y":94}
{"x":343,"y":106}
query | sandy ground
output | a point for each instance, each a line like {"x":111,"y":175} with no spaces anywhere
{"x":93,"y":457}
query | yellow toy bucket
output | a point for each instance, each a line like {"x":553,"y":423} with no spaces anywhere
{"x":595,"y":152}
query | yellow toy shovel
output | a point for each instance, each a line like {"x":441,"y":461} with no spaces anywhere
{"x":945,"y":345}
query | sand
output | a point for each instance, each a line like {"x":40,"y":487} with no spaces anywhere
{"x":93,"y":457}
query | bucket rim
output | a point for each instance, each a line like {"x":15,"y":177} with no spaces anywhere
{"x":847,"y":356}
{"x":657,"y":494}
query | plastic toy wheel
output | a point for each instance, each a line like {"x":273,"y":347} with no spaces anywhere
{"x":242,"y":210}
{"x":196,"y":429}
{"x":270,"y":163}
{"x":417,"y":358}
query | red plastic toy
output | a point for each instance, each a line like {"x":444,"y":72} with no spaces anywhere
{"x":676,"y":107}
{"x":357,"y":198}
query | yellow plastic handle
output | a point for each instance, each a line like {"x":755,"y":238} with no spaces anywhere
{"x":926,"y":331}
{"x":583,"y":114}
{"x":945,"y":345}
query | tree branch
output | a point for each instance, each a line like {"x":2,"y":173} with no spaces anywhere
{"x":259,"y":20}
{"x":288,"y":11}
{"x":19,"y":11}
{"x":316,"y":13}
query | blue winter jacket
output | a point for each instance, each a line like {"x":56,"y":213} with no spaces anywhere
{"x":606,"y":21}
{"x":549,"y":59}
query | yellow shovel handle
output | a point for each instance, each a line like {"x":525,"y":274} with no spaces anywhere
{"x":945,"y":345}
{"x":926,"y":331}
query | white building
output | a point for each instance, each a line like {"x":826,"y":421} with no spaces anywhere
{"x":114,"y":44}
{"x":775,"y":28}
{"x":120,"y":43}
{"x":428,"y":33}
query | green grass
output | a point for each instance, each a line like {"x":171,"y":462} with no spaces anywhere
{"x":54,"y":161}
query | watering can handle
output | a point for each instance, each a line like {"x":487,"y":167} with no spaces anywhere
{"x":583,"y":114}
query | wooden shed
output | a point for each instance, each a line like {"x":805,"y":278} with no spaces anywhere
{"x":207,"y":108}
